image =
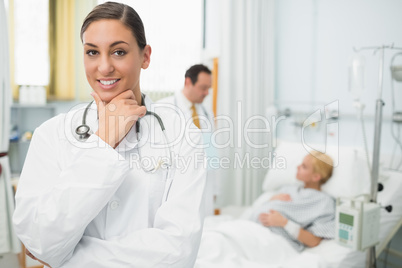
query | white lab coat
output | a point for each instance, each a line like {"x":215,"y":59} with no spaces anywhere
{"x":91,"y":207}
{"x":206,"y":116}
{"x":207,"y":126}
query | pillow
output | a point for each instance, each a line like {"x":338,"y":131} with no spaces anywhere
{"x":350,"y":177}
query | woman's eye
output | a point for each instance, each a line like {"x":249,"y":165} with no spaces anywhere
{"x":92,"y":52}
{"x":119,"y":53}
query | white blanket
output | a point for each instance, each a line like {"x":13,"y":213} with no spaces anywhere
{"x":241,"y":243}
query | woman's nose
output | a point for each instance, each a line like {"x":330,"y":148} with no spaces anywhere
{"x":105,"y":66}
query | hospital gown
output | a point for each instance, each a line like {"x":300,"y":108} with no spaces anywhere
{"x":312,"y":209}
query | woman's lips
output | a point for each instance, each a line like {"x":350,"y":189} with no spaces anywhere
{"x":108,"y":83}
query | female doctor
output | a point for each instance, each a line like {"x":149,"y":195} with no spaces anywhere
{"x":85,"y":203}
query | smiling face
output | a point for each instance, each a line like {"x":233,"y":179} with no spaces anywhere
{"x":112,"y":59}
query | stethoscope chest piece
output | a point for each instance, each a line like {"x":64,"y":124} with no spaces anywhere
{"x":82,"y":131}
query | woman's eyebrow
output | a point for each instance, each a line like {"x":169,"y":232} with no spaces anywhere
{"x":91,"y":45}
{"x":112,"y":45}
{"x":118,"y":42}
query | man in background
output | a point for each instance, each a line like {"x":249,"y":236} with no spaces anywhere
{"x":197,"y":83}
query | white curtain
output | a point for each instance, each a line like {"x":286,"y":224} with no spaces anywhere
{"x":8,"y":240}
{"x":246,"y":86}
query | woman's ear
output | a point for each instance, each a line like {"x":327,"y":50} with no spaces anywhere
{"x":147,"y":57}
{"x":316,"y":177}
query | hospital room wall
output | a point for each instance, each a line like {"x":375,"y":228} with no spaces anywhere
{"x":314,"y":44}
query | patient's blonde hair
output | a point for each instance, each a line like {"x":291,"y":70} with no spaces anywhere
{"x":322,"y":164}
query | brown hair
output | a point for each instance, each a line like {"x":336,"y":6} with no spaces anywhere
{"x":117,"y":11}
{"x":194,"y":70}
{"x":322,"y":164}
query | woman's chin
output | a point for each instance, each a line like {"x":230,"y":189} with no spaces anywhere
{"x":106,"y":97}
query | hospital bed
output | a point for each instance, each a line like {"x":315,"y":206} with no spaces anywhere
{"x":350,"y":178}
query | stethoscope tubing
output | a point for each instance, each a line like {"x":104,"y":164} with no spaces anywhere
{"x":83,"y":134}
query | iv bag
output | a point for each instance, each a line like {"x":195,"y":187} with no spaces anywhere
{"x":356,"y":76}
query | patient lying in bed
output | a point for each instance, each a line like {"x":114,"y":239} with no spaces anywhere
{"x":302,"y":215}
{"x":296,"y":217}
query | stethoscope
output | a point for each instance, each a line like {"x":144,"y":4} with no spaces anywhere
{"x":83,"y":131}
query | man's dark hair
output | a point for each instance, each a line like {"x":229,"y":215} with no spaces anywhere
{"x":195,"y":70}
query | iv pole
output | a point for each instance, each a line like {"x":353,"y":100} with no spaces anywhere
{"x":371,"y":254}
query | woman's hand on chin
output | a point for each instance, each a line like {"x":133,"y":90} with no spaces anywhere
{"x":117,"y":117}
